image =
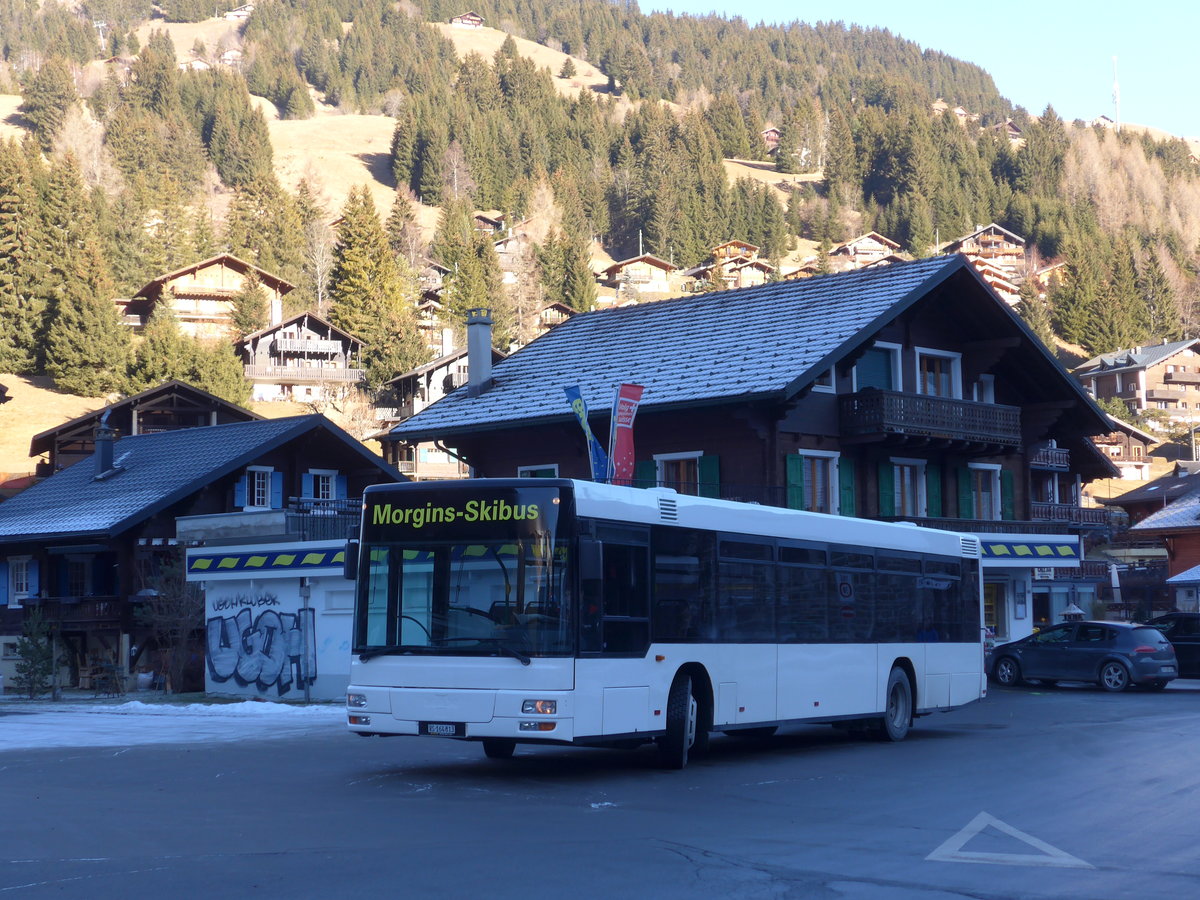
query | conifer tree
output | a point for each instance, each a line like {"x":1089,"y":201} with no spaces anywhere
{"x":1036,"y":313}
{"x":20,"y":312}
{"x":251,"y":307}
{"x":50,"y":94}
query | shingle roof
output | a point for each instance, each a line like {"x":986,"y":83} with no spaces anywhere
{"x":725,"y":346}
{"x":1182,"y":480}
{"x":157,"y":470}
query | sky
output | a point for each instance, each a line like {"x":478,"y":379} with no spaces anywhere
{"x":1037,"y":52}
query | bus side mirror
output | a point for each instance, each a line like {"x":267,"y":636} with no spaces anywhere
{"x":350,"y":560}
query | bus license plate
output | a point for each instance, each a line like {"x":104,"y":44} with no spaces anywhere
{"x":442,"y":729}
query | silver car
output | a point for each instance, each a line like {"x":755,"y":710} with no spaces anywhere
{"x":1113,"y":655}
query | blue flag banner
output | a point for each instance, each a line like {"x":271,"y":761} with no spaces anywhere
{"x":596,"y":454}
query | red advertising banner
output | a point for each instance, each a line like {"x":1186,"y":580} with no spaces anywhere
{"x":620,"y":435}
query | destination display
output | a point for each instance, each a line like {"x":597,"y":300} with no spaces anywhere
{"x":463,"y":513}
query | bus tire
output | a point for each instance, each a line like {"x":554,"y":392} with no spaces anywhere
{"x":682,"y":718}
{"x":897,"y":708}
{"x":498,"y":748}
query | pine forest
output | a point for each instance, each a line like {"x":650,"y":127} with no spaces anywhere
{"x":129,"y":170}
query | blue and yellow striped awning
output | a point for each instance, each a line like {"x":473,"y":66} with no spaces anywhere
{"x":217,"y":563}
{"x":1026,"y":552}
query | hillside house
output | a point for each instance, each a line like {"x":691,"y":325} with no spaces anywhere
{"x":202,"y":295}
{"x":1162,"y":376}
{"x":84,"y":545}
{"x":861,"y":251}
{"x":467,"y":20}
{"x":770,"y":138}
{"x":644,"y":274}
{"x":304,"y":358}
{"x":240,"y":13}
{"x":907,"y":391}
{"x":1129,"y":449}
{"x":1012,"y":131}
{"x":168,"y":407}
{"x":409,"y":393}
{"x":490,"y":222}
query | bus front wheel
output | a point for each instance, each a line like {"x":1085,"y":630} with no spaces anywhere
{"x":897,"y":710}
{"x":498,"y":748}
{"x":682,"y":716}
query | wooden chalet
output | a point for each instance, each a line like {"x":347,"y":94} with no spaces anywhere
{"x":467,"y":20}
{"x":304,"y":358}
{"x":1010,"y":130}
{"x":1162,"y":376}
{"x":201,"y":296}
{"x":861,"y":251}
{"x":770,"y":138}
{"x":168,"y":407}
{"x":645,"y":273}
{"x":1129,"y":449}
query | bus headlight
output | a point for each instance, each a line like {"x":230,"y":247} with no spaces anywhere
{"x":540,"y":707}
{"x":358,"y":701}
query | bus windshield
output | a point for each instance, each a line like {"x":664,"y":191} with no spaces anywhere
{"x":459,"y":587}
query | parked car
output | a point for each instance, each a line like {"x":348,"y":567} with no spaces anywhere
{"x":1183,"y":631}
{"x":1114,"y":655}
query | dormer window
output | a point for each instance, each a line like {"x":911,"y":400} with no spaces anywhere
{"x":260,"y":488}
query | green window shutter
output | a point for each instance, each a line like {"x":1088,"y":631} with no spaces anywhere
{"x":1007,"y":506}
{"x":933,"y":490}
{"x":874,"y":369}
{"x":709,"y":470}
{"x":795,"y":481}
{"x":645,"y":473}
{"x":887,"y":488}
{"x":845,"y":486}
{"x":966,"y":500}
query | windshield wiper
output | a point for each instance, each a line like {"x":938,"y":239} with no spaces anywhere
{"x":390,"y":650}
{"x":498,"y":642}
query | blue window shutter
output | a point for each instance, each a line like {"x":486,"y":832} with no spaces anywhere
{"x":341,"y":488}
{"x":239,"y":492}
{"x":306,"y":485}
{"x":276,"y":490}
{"x":3,"y":583}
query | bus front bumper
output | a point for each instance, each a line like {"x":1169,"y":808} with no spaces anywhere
{"x":528,"y":715}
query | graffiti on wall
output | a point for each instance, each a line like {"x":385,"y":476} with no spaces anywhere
{"x":271,"y":650}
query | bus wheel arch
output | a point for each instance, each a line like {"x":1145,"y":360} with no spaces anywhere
{"x":899,"y":702}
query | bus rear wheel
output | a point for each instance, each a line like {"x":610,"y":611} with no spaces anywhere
{"x":498,"y":748}
{"x":682,"y":717}
{"x":897,"y":709}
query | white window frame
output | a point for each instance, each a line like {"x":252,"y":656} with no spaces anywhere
{"x":327,"y":477}
{"x":984,"y":389}
{"x":18,"y":573}
{"x":824,"y":383}
{"x":956,"y":386}
{"x":994,"y":468}
{"x":896,"y":351}
{"x":660,"y":458}
{"x":528,"y":471}
{"x":903,"y":462}
{"x":253,"y":474}
{"x":8,"y":650}
{"x":835,"y":488}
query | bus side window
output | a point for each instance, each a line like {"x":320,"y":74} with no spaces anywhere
{"x":591,"y":590}
{"x":626,"y":626}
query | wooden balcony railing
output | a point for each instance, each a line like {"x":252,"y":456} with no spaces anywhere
{"x":1067,"y":513}
{"x":1182,"y":378}
{"x":295,"y":345}
{"x":77,"y":611}
{"x":304,"y":373}
{"x":1050,"y":458}
{"x":1164,"y":394}
{"x":875,"y":413}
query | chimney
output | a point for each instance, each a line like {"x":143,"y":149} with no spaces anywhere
{"x":104,"y":447}
{"x":479,"y":351}
{"x":276,"y":304}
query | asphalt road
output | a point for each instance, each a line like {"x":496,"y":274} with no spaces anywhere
{"x":1064,"y":793}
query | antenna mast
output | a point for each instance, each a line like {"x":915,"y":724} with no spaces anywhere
{"x":1116,"y":96}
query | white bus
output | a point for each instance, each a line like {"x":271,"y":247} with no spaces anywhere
{"x":567,"y":612}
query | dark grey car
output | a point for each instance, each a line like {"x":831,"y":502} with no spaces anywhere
{"x":1183,"y":631}
{"x":1113,"y":655}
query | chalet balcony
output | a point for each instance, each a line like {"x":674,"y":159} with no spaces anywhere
{"x":1054,"y":458}
{"x":290,"y":374}
{"x":1182,"y":378}
{"x":1153,"y":394}
{"x":919,"y":419}
{"x":1068,"y":514}
{"x":294,"y":345}
{"x":311,"y":519}
{"x":74,"y":612}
